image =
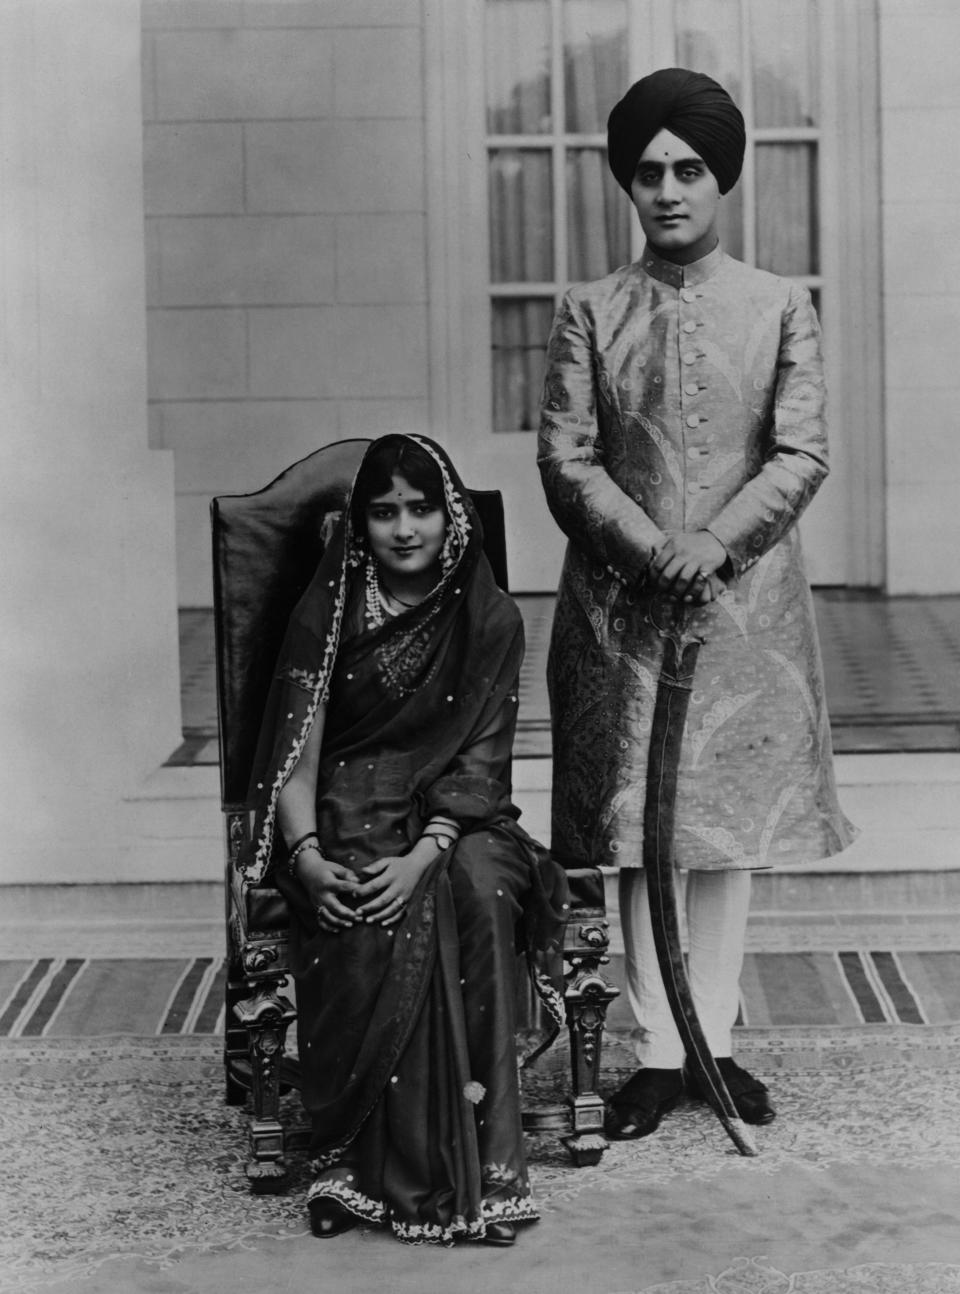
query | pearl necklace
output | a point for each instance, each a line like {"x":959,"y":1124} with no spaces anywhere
{"x":379,"y":597}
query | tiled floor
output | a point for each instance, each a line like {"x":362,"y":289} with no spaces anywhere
{"x":892,"y":669}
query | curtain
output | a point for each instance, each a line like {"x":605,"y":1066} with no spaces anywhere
{"x":524,"y":249}
{"x":522,"y":218}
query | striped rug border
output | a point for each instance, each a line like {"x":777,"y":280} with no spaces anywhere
{"x":195,"y":1004}
{"x":878,"y":986}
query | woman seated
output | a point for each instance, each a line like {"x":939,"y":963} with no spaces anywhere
{"x":384,"y":816}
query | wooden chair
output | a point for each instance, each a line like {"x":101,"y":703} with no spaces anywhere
{"x":266,"y":546}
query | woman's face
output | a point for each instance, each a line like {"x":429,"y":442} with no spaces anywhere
{"x":677,"y":199}
{"x":406,"y":531}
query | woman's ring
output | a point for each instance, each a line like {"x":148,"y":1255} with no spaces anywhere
{"x":703,"y":575}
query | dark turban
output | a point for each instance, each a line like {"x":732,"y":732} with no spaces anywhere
{"x":688,"y":104}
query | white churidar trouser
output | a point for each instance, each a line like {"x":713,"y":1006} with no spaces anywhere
{"x":716,"y":906}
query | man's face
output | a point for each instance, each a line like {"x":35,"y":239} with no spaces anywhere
{"x":677,"y":199}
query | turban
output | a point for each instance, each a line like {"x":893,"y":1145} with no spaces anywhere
{"x":688,"y":104}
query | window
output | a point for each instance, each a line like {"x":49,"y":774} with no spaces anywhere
{"x":521,"y":203}
{"x":553,"y":70}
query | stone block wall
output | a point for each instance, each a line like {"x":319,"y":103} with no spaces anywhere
{"x":285,"y":238}
{"x":920,"y":133}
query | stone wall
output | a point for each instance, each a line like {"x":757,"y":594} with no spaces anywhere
{"x":285,"y":238}
{"x":920,"y":133}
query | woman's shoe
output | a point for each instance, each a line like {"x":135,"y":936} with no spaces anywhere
{"x":329,"y":1218}
{"x":500,"y":1233}
{"x":636,"y":1110}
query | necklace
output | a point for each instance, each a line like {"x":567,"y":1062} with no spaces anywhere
{"x":379,"y":597}
{"x":390,"y":594}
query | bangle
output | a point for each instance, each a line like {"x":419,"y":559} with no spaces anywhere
{"x":307,"y":835}
{"x":309,"y":841}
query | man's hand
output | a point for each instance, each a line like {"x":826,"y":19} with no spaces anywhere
{"x":684,"y":564}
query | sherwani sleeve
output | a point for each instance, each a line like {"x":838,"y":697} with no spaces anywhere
{"x":794,"y":460}
{"x":587,"y":504}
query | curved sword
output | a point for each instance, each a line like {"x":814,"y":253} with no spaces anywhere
{"x":670,"y":711}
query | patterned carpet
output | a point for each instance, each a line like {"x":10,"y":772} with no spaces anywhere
{"x":125,"y":1173}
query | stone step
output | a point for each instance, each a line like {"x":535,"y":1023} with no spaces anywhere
{"x":906,"y":806}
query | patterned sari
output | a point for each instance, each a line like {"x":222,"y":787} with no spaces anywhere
{"x":407,"y":1033}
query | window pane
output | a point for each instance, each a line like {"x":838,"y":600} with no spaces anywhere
{"x":519,"y":335}
{"x":787,"y":208}
{"x":708,"y":40}
{"x":594,"y":61}
{"x":517,"y":38}
{"x":521,"y":210}
{"x":730,"y":222}
{"x":598,"y":216}
{"x":785,"y":61}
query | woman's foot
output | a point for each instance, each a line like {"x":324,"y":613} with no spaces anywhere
{"x":329,"y":1218}
{"x":500,"y":1233}
{"x":636,"y":1110}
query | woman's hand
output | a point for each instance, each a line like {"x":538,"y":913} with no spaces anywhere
{"x":685,"y":565}
{"x":389,"y":884}
{"x":324,"y":881}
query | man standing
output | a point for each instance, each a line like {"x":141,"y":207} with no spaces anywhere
{"x":682,"y":435}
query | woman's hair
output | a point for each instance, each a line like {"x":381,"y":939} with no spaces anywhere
{"x":395,"y":456}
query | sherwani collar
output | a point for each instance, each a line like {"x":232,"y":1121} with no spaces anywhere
{"x":679,"y":276}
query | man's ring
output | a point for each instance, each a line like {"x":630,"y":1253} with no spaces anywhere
{"x":703,"y":575}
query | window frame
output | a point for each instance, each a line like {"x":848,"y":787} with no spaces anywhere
{"x":460,"y":290}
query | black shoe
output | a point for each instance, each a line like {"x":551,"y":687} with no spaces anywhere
{"x":636,"y":1110}
{"x":329,"y":1218}
{"x":499,"y":1233}
{"x":749,"y":1095}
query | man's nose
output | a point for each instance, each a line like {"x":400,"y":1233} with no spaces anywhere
{"x":669,"y":189}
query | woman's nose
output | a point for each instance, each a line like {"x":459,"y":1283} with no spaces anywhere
{"x":404,"y":525}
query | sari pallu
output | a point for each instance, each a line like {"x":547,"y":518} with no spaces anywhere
{"x":406,"y":1033}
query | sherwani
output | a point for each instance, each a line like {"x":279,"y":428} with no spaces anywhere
{"x":680,"y":398}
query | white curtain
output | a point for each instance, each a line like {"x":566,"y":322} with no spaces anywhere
{"x":523,"y":221}
{"x":783,"y":39}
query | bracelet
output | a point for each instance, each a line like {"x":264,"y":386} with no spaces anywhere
{"x":442,"y":839}
{"x":307,"y":835}
{"x":309,"y":841}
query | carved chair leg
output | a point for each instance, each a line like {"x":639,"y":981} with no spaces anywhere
{"x":266,"y":1016}
{"x":587,"y":996}
{"x":236,"y":1045}
{"x":588,"y":993}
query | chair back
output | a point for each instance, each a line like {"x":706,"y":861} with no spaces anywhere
{"x":266,"y":546}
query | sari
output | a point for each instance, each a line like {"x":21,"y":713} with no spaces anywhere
{"x":407,"y":1033}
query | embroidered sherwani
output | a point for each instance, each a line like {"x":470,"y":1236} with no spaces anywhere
{"x":681,"y":398}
